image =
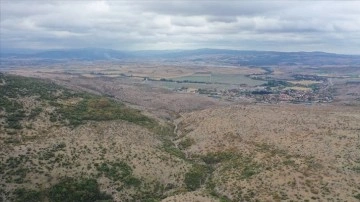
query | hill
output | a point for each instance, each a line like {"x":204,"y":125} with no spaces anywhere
{"x":61,"y":144}
{"x":214,"y":56}
{"x":277,"y":153}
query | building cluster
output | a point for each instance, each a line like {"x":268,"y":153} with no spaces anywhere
{"x":265,"y":95}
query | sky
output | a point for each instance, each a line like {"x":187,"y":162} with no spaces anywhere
{"x":287,"y":25}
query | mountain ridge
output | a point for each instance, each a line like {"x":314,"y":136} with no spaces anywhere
{"x":206,"y":55}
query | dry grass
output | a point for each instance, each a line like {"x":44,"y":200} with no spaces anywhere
{"x":295,"y":152}
{"x":195,"y":196}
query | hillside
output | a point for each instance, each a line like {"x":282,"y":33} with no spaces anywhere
{"x":61,"y":144}
{"x":277,"y":153}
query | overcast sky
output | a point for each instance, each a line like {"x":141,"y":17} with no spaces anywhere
{"x":332,"y":26}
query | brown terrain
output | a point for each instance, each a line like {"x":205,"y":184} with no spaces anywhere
{"x":198,"y":148}
{"x":294,"y":152}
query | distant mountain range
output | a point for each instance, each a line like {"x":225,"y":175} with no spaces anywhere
{"x":218,"y":56}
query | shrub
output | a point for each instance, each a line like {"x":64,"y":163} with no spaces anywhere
{"x":214,"y":158}
{"x":119,"y":171}
{"x":186,"y":143}
{"x":195,"y":177}
{"x":26,"y":195}
{"x":72,"y":190}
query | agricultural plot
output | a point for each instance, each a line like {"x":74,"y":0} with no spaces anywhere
{"x":221,"y":78}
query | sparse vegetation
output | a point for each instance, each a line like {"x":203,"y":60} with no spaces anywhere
{"x":90,"y":107}
{"x":186,"y":143}
{"x":24,"y":195}
{"x":118,"y":171}
{"x":69,"y":189}
{"x":230,"y":160}
{"x":196,"y":177}
{"x":59,"y":144}
{"x":101,"y":109}
{"x":214,"y":158}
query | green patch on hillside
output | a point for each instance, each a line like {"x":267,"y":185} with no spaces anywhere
{"x":27,"y":195}
{"x":218,"y":157}
{"x":87,"y":106}
{"x":14,"y":88}
{"x":101,"y":109}
{"x":244,"y":166}
{"x":18,"y":86}
{"x":68,"y":189}
{"x":118,"y":171}
{"x":196,"y":176}
{"x":186,"y":143}
{"x":232,"y":166}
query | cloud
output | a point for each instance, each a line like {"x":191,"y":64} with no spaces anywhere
{"x":332,"y":26}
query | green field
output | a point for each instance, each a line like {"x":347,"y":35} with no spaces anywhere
{"x":221,"y":78}
{"x":175,"y":85}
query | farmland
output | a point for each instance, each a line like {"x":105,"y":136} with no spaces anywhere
{"x":232,"y":79}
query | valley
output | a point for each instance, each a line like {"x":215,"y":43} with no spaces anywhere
{"x":179,"y":101}
{"x":165,"y":131}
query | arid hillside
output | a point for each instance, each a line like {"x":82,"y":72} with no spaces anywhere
{"x":61,"y":144}
{"x":275,"y":153}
